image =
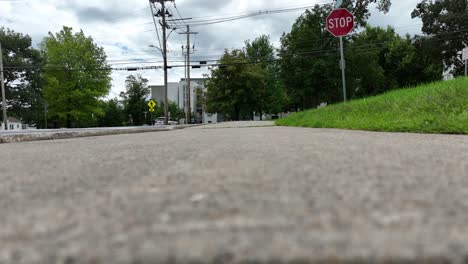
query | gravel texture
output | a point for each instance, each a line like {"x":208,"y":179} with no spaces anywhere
{"x":236,"y":194}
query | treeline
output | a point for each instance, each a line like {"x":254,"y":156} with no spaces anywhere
{"x":64,"y":83}
{"x":305,"y":72}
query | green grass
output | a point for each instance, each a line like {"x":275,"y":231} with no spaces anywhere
{"x":440,"y":107}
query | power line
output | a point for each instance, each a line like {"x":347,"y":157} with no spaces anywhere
{"x":196,"y":23}
{"x":445,"y":37}
{"x":315,"y":53}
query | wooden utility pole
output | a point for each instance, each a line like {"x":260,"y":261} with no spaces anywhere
{"x":163,"y":13}
{"x":188,"y":110}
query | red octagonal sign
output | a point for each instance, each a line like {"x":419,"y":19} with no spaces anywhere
{"x":340,"y":22}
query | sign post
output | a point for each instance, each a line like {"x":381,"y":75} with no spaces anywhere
{"x":465,"y":59}
{"x":340,"y":23}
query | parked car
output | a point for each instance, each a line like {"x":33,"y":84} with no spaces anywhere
{"x":160,"y":122}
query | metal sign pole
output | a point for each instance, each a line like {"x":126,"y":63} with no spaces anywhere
{"x":343,"y":68}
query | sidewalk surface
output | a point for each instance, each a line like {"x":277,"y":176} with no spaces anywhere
{"x":236,"y":193}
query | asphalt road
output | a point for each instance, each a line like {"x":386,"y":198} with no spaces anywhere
{"x":236,"y":194}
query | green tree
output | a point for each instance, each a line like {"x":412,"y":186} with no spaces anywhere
{"x":445,"y":23}
{"x":428,"y":61}
{"x":309,"y":66}
{"x":227,"y":89}
{"x":268,"y":94}
{"x":135,"y":98}
{"x":379,"y":60}
{"x":114,"y":115}
{"x":277,"y":100}
{"x":76,"y":77}
{"x":23,"y":86}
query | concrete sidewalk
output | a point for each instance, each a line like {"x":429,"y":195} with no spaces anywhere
{"x":236,"y":195}
{"x":55,"y":134}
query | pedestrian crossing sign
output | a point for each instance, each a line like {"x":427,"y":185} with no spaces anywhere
{"x":152,"y":104}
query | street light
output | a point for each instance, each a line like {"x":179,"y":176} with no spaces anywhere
{"x":153,"y":46}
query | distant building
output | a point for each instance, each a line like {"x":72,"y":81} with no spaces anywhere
{"x":177,"y":92}
{"x":14,"y":125}
{"x":157,"y":92}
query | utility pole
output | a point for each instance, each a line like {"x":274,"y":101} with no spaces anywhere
{"x":4,"y":106}
{"x":163,"y":12}
{"x":188,"y":109}
{"x":185,"y":87}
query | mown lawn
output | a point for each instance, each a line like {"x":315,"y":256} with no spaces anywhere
{"x":440,"y":107}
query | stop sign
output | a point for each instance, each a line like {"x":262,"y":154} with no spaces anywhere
{"x":340,"y":22}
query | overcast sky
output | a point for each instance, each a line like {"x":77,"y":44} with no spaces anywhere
{"x":125,"y":30}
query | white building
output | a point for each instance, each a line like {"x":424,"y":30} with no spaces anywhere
{"x":14,"y":125}
{"x":157,"y":92}
{"x":177,"y":92}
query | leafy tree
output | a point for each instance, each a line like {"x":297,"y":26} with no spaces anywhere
{"x":378,"y":60}
{"x":76,"y":77}
{"x":277,"y":100}
{"x":227,"y":92}
{"x":135,"y":98}
{"x":268,"y":94}
{"x":23,"y":87}
{"x":428,"y":61}
{"x":309,"y":66}
{"x":114,"y":115}
{"x":445,"y":22}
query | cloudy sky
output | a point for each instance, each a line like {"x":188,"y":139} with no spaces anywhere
{"x":125,"y":29}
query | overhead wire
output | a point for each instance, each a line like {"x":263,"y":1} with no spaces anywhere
{"x":314,"y":54}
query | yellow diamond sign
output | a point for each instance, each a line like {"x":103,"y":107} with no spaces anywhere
{"x":152,"y":104}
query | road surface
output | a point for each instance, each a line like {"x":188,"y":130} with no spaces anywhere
{"x":233,"y":193}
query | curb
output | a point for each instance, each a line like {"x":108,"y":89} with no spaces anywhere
{"x":16,"y":138}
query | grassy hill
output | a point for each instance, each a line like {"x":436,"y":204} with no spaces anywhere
{"x":440,"y":107}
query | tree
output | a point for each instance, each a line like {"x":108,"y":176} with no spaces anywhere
{"x":379,"y":60}
{"x":309,"y":66}
{"x":23,"y":86}
{"x":445,"y":22}
{"x":227,"y":89}
{"x":76,"y":76}
{"x":114,"y":115}
{"x":268,"y":94}
{"x":428,"y":61}
{"x":135,"y":98}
